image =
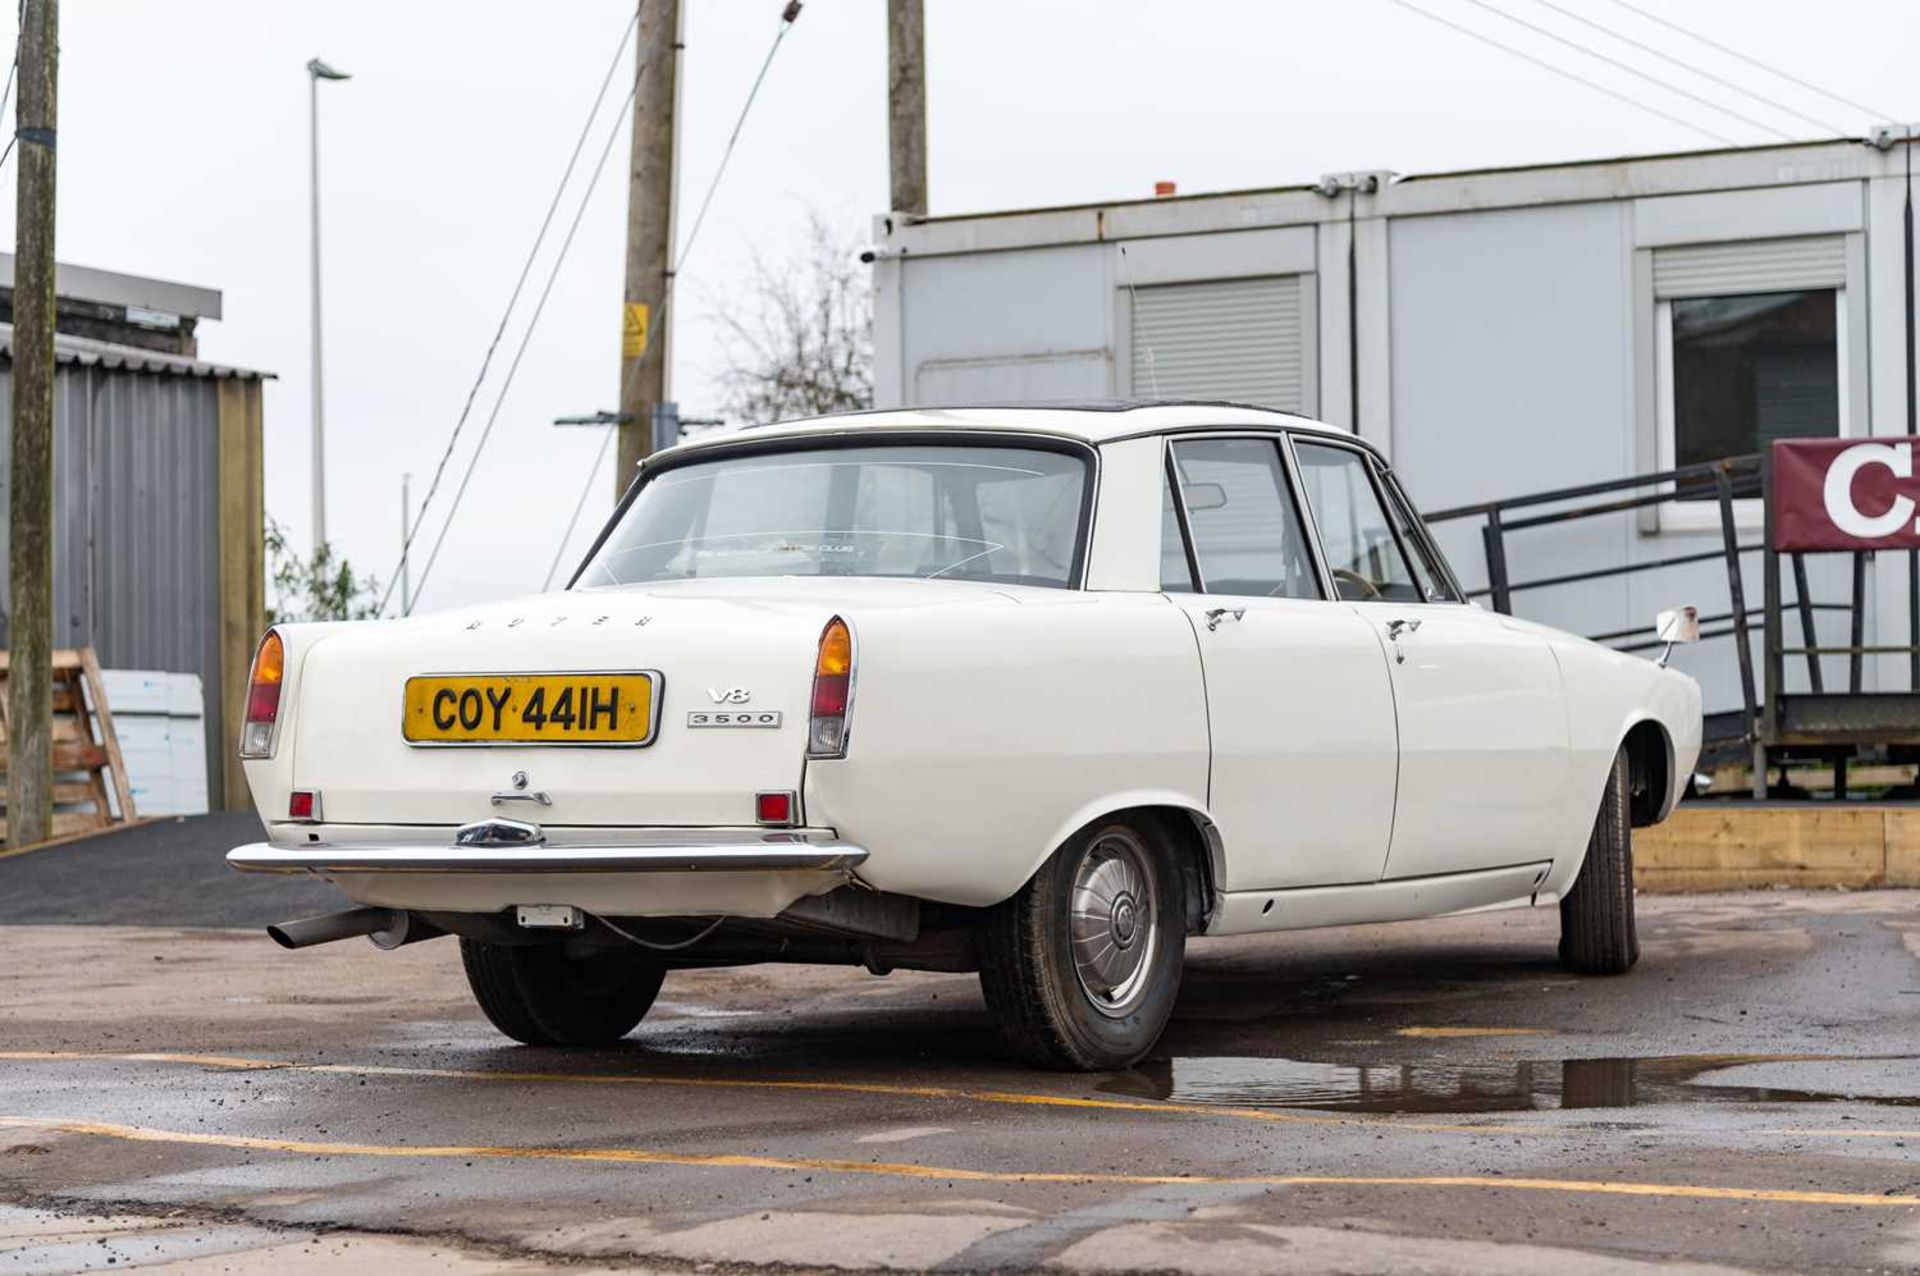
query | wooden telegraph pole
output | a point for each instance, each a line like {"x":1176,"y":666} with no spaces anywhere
{"x":907,"y":105}
{"x":650,"y":199}
{"x":30,"y":498}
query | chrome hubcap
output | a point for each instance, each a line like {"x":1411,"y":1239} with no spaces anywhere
{"x":1112,"y":925}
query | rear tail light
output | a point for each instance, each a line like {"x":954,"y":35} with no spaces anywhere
{"x":263,"y":697}
{"x":832,"y":692}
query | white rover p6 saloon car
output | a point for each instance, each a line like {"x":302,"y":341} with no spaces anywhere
{"x":1037,"y":692}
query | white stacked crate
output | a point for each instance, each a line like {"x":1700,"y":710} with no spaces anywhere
{"x":161,"y":721}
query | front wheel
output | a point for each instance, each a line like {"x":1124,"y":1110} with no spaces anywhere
{"x":539,"y":995}
{"x":1597,"y":934}
{"x":1080,"y":968}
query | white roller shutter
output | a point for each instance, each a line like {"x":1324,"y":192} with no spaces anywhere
{"x":1758,"y":265}
{"x":1237,"y":339}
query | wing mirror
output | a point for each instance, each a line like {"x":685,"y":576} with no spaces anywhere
{"x":1674,"y":626}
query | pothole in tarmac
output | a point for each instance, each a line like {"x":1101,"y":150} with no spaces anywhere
{"x":1523,"y":1086}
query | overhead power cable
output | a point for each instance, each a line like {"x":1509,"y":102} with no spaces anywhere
{"x":1770,"y":69}
{"x":7,"y":97}
{"x":787,"y":16}
{"x":1690,"y":67}
{"x":1619,"y":64}
{"x":526,"y":338}
{"x":1575,"y":76}
{"x":526,"y":268}
{"x":593,"y":475}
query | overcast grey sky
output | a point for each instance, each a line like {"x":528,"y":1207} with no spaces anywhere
{"x":184,"y":156}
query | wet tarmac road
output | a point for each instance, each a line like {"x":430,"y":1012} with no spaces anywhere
{"x":1427,"y":1097}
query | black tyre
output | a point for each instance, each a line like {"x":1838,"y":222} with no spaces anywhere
{"x":538,"y":995}
{"x":1597,"y":935}
{"x":1080,"y":968}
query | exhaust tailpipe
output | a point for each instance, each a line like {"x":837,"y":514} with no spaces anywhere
{"x":388,"y":928}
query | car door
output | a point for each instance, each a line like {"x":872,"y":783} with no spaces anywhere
{"x":1299,"y":698}
{"x":1481,"y":710}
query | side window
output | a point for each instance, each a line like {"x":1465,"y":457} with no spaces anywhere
{"x":1429,"y":573}
{"x":1176,"y":574}
{"x":1363,"y":554}
{"x":1248,"y":537}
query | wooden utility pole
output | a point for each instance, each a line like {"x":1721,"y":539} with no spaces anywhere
{"x":30,"y":497}
{"x":907,"y":105}
{"x":650,"y":199}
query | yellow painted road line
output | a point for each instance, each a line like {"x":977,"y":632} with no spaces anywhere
{"x":1473,"y":1032}
{"x":884,"y":1169}
{"x":873,"y":1088}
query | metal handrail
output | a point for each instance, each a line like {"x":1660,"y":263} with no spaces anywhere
{"x":1761,"y":723}
{"x":1701,"y":469}
{"x":1740,"y":476}
{"x":1822,"y":723}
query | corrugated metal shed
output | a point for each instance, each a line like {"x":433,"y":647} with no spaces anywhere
{"x":136,"y":511}
{"x":86,"y":352}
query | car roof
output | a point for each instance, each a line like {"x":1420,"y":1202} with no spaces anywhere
{"x":1091,"y":421}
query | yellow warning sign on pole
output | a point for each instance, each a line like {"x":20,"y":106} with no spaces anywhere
{"x":633,"y":332}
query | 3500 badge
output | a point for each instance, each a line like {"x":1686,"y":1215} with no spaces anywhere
{"x":734,"y":718}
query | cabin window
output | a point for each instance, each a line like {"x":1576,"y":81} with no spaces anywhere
{"x":1750,"y":346}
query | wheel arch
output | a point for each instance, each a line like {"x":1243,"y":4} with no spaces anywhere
{"x":1187,"y":824}
{"x":1652,"y":786}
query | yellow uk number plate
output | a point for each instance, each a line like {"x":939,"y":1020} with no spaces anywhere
{"x":531,"y":708}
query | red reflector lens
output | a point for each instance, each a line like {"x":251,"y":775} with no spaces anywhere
{"x":773,"y":808}
{"x":300,"y":805}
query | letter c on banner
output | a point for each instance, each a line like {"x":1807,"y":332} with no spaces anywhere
{"x":1897,"y":457}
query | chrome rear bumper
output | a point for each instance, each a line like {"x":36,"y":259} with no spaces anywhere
{"x":661,"y":851}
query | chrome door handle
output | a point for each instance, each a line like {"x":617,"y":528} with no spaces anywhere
{"x":1217,"y":614}
{"x":1394,"y":629}
{"x":501,"y":799}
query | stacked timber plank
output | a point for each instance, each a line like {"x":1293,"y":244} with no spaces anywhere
{"x":90,"y":789}
{"x":1733,"y":845}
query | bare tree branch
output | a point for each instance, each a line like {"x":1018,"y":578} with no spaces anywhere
{"x":800,"y":342}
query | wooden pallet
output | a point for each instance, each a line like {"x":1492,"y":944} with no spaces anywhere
{"x":86,"y":751}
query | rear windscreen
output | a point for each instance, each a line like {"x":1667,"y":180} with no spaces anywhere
{"x":1007,"y":515}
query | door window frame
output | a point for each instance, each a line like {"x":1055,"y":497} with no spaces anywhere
{"x":1281,"y":441}
{"x":1435,"y":560}
{"x":1182,"y":528}
{"x":1386,"y":488}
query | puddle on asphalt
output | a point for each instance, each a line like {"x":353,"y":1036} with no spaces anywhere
{"x":1437,"y":1088}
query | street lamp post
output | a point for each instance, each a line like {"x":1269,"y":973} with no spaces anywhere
{"x":316,"y":72}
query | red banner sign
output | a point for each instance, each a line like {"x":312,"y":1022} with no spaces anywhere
{"x":1845,"y":494}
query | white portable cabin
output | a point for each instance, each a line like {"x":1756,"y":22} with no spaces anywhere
{"x":1496,"y":333}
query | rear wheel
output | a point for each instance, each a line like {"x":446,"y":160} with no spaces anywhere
{"x":539,"y":995}
{"x":1597,"y":934}
{"x":1081,"y":967}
